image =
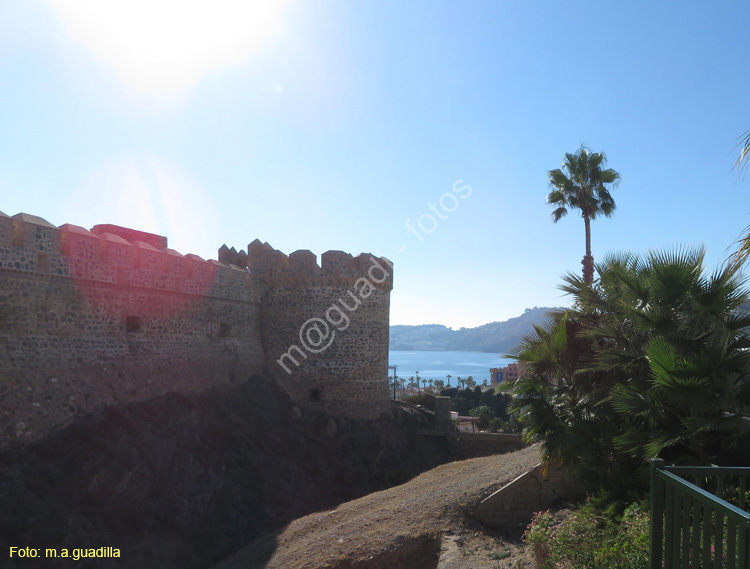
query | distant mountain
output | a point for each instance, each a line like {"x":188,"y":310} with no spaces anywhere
{"x":499,"y":337}
{"x":496,"y":337}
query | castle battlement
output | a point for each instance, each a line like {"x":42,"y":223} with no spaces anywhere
{"x":115,"y":255}
{"x":337,"y":267}
{"x":112,"y":314}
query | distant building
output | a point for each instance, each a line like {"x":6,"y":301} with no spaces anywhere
{"x":507,"y":374}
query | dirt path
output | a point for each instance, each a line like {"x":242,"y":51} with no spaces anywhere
{"x":395,"y":527}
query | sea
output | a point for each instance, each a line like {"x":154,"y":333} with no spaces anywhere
{"x":437,"y":365}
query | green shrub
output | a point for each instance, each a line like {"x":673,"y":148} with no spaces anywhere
{"x":575,"y":542}
{"x":484,"y":415}
{"x":582,"y":540}
{"x":496,"y":425}
{"x":542,"y":528}
{"x":424,"y":399}
{"x":539,"y":534}
{"x":626,"y":545}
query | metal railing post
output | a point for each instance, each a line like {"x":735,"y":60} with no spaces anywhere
{"x":657,"y":515}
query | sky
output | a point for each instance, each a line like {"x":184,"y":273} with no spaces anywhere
{"x":421,"y":131}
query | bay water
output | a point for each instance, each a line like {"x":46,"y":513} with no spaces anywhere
{"x":437,"y":365}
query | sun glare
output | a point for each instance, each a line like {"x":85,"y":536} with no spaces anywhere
{"x":160,"y":48}
{"x":150,"y":194}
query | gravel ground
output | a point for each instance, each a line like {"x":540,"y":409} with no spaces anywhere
{"x":394,"y":527}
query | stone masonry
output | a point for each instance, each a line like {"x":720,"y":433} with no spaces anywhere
{"x":112,"y":315}
{"x":511,"y":507}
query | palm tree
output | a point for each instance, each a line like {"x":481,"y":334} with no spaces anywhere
{"x":654,"y":360}
{"x":448,"y":377}
{"x":583,"y":188}
{"x":689,"y":390}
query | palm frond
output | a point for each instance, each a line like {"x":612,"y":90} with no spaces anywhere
{"x":744,"y":146}
{"x":743,"y":245}
{"x":559,"y":213}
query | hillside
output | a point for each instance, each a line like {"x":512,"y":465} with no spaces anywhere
{"x":493,"y":337}
{"x":395,"y":528}
{"x":186,"y":480}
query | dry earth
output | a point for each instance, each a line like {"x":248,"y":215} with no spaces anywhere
{"x":402,"y":527}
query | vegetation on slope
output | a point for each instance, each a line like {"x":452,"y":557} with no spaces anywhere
{"x":653,"y":360}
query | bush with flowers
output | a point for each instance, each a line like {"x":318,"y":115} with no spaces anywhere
{"x":584,"y":540}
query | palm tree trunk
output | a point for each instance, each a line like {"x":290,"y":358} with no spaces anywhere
{"x":588,"y":260}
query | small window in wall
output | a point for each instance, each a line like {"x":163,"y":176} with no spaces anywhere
{"x":132,"y":324}
{"x":315,"y":394}
{"x":224,"y":330}
{"x":42,"y":262}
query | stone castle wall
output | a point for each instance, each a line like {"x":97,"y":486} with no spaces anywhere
{"x":325,"y":329}
{"x":89,"y":318}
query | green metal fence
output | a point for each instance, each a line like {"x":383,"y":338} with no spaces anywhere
{"x":692,"y":528}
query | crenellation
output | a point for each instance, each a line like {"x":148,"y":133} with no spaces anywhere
{"x":35,"y":234}
{"x":264,"y":259}
{"x":175,"y":264}
{"x":227,"y":255}
{"x":198,"y":269}
{"x":132,"y":235}
{"x":304,"y":262}
{"x":241,"y":260}
{"x":80,"y":244}
{"x":276,"y":261}
{"x":104,"y":255}
{"x":333,"y":261}
{"x":364,"y":261}
{"x":257,"y":248}
{"x":6,"y":229}
{"x":232,"y":257}
{"x":147,"y":257}
{"x":116,"y":250}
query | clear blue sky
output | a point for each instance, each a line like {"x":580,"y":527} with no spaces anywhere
{"x":327,"y":125}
